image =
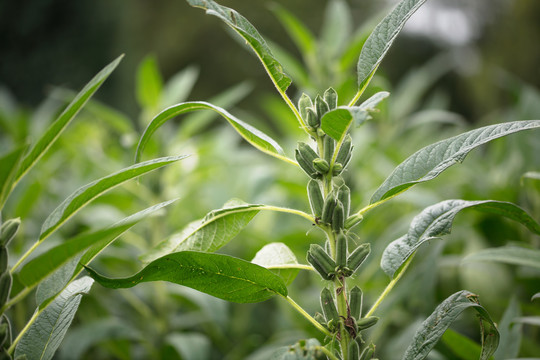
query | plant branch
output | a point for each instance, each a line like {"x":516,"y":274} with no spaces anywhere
{"x":307,"y":316}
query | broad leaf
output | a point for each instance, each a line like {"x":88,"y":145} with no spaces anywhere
{"x":436,"y":221}
{"x":149,"y":83}
{"x":222,"y":276}
{"x":244,"y":28}
{"x":45,"y":334}
{"x":461,"y":346}
{"x":255,"y":137}
{"x":59,"y":125}
{"x":444,"y":315}
{"x":432,"y":160}
{"x":57,"y":272}
{"x":82,"y":196}
{"x":45,"y":264}
{"x":209,"y":234}
{"x":9,"y":164}
{"x":507,"y":254}
{"x":382,"y":37}
{"x":280,"y":259}
{"x":337,"y":122}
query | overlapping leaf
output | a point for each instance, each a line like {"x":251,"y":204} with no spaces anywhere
{"x":280,"y":259}
{"x":222,"y":276}
{"x":255,"y":137}
{"x":429,"y":162}
{"x":444,"y":315}
{"x":436,"y":221}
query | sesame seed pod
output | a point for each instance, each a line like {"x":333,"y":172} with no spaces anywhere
{"x":338,"y":217}
{"x":316,"y":200}
{"x":329,"y":145}
{"x":357,"y":257}
{"x":331,"y":98}
{"x":329,"y":306}
{"x":341,"y":249}
{"x":344,"y":195}
{"x":328,"y":208}
{"x":321,"y":106}
{"x":355,"y":302}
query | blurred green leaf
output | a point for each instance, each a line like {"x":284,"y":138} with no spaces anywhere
{"x":507,"y":254}
{"x":59,"y":125}
{"x":149,"y":83}
{"x":222,"y":276}
{"x":437,"y":220}
{"x":336,"y":29}
{"x":178,"y":87}
{"x":510,"y":332}
{"x":280,"y":259}
{"x":444,"y":315}
{"x":531,"y":320}
{"x":303,"y":38}
{"x":45,"y":334}
{"x":9,"y":164}
{"x":429,"y":162}
{"x":82,"y":196}
{"x":461,"y":346}
{"x":190,"y":345}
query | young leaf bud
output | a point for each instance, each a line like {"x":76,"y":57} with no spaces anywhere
{"x":337,"y":169}
{"x":321,"y":106}
{"x":316,"y":200}
{"x":331,"y":98}
{"x":303,"y":104}
{"x":321,"y":166}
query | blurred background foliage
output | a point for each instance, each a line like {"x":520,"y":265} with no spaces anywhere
{"x":459,"y":64}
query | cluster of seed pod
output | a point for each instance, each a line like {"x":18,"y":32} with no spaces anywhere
{"x":7,"y":233}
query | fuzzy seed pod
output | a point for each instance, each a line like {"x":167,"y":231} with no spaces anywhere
{"x":321,"y":166}
{"x":357,"y":257}
{"x":321,"y":106}
{"x":338,"y":217}
{"x":367,"y":354}
{"x":328,"y":208}
{"x":303,"y":104}
{"x":4,"y":260}
{"x":341,"y":249}
{"x":329,"y":145}
{"x":5,"y":287}
{"x":321,"y":262}
{"x":9,"y":230}
{"x":353,"y":220}
{"x":329,"y":306}
{"x":355,"y":302}
{"x":316,"y":200}
{"x":312,"y":118}
{"x":337,"y":169}
{"x":353,"y":351}
{"x":344,"y":153}
{"x":331,"y":98}
{"x":344,"y":195}
{"x":366,"y":323}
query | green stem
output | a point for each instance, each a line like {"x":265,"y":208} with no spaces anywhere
{"x":25,"y":255}
{"x":287,"y":210}
{"x":15,"y":299}
{"x":307,"y":316}
{"x":23,"y":331}
{"x":327,"y":353}
{"x":389,"y":287}
{"x":363,"y":88}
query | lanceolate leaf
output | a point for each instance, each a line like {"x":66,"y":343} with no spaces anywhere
{"x":44,"y":336}
{"x":255,"y":137}
{"x":222,"y":276}
{"x":436,"y":221}
{"x":507,"y":254}
{"x":45,"y":264}
{"x":280,"y":259}
{"x":432,"y":160}
{"x":382,"y":37}
{"x":243,"y":27}
{"x":209,"y":234}
{"x":444,"y":315}
{"x":82,"y":196}
{"x":303,"y":38}
{"x":8,"y":168}
{"x":337,"y":122}
{"x":56,"y":128}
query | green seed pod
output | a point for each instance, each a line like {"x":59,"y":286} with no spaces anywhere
{"x":303,"y":104}
{"x":353,"y":220}
{"x":316,"y":200}
{"x":312,"y":118}
{"x":321,"y":166}
{"x":307,"y":152}
{"x":9,"y":230}
{"x":341,"y":249}
{"x":338,"y":217}
{"x":328,"y":208}
{"x":321,"y":262}
{"x":344,"y":195}
{"x":3,"y":259}
{"x":329,"y":145}
{"x":321,"y":106}
{"x":358,"y":256}
{"x":344,"y":154}
{"x":366,"y":323}
{"x":329,"y":306}
{"x":367,"y":354}
{"x":355,"y":302}
{"x":331,"y":98}
{"x":353,"y":351}
{"x":307,"y":166}
{"x":5,"y":287}
{"x":337,"y":169}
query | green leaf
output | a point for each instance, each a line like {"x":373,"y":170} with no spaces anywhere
{"x":178,"y":87}
{"x":45,"y":264}
{"x":149,"y":83}
{"x":337,"y":122}
{"x":436,"y":221}
{"x":510,"y":333}
{"x":9,"y":164}
{"x":82,"y":196}
{"x":58,"y":274}
{"x":382,"y":37}
{"x":58,"y":126}
{"x":280,"y":259}
{"x":461,"y":346}
{"x":45,"y":334}
{"x":244,"y":28}
{"x":191,"y":346}
{"x":535,"y":296}
{"x":255,"y":137}
{"x":507,"y":254}
{"x":222,"y":276}
{"x":302,"y":37}
{"x":444,"y":315}
{"x":336,"y":29}
{"x":209,"y":234}
{"x":531,"y":320}
{"x":429,"y":162}
{"x":531,"y":175}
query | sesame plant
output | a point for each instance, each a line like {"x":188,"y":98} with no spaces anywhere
{"x":190,"y":258}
